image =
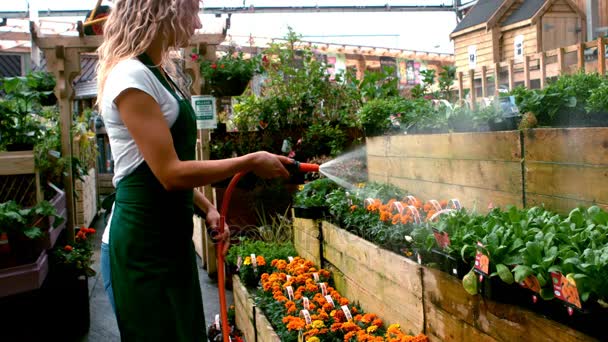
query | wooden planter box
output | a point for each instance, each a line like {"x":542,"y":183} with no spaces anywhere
{"x":19,"y":179}
{"x":422,"y":299}
{"x":86,"y":199}
{"x":250,"y":319}
{"x":59,"y":202}
{"x":24,"y":278}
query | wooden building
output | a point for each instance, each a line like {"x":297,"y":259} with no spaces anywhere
{"x":504,"y":30}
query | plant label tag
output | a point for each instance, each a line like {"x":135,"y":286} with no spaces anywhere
{"x":289,"y":292}
{"x":290,"y":258}
{"x":419,"y":258}
{"x":531,"y":283}
{"x":306,"y":303}
{"x":411,"y":200}
{"x":415,"y":214}
{"x":454,"y":271}
{"x":442,"y":238}
{"x":300,"y":336}
{"x":217,"y":322}
{"x":398,"y":206}
{"x":239,"y":262}
{"x":316,"y":277}
{"x":482,"y":262}
{"x":323,"y":289}
{"x":347,"y":313}
{"x":565,"y":290}
{"x":306,"y":316}
{"x":288,"y":277}
{"x":254,"y":262}
{"x":368,"y":201}
{"x":455,"y":203}
{"x":436,"y":205}
{"x":330,"y":301}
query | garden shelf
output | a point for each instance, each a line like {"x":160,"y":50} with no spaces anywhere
{"x":24,"y":278}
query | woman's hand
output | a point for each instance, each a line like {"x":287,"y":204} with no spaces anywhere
{"x":268,"y":165}
{"x":213,"y":223}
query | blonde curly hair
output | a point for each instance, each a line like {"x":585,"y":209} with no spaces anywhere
{"x":132,"y":25}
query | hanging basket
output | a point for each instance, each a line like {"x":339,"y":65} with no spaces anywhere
{"x":228,"y":87}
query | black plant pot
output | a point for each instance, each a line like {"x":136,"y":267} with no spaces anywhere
{"x":232,"y":87}
{"x":19,"y":147}
{"x":510,"y":123}
{"x":68,"y":295}
{"x":48,"y":100}
{"x":450,"y":264}
{"x":461,"y":126}
{"x":310,"y":212}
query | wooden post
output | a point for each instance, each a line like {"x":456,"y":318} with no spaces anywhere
{"x":543,"y":70}
{"x":484,"y":84}
{"x":580,"y":56}
{"x":472,"y":88}
{"x":527,"y":72}
{"x":561,"y":66}
{"x":601,"y":56}
{"x":511,"y":76}
{"x":496,"y":78}
{"x":460,"y":86}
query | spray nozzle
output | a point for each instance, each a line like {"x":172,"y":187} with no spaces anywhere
{"x":296,"y":166}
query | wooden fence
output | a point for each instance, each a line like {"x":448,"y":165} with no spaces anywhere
{"x":560,"y":168}
{"x":588,"y":57}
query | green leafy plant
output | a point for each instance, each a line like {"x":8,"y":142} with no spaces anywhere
{"x":314,"y":194}
{"x":15,"y":219}
{"x":598,"y":100}
{"x":232,"y":65}
{"x":76,"y":258}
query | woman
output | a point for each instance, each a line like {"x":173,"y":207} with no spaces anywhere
{"x":152,"y":132}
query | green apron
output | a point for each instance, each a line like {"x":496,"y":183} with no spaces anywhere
{"x":153,"y":264}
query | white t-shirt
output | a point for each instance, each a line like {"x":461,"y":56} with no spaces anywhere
{"x":125,"y":75}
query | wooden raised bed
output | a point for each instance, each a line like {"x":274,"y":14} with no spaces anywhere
{"x":86,"y":199}
{"x":249,"y":318}
{"x":425,"y":300}
{"x":24,"y":278}
{"x":19,"y":179}
{"x":559,"y":167}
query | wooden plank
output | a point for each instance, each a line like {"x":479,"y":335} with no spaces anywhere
{"x":460,"y":86}
{"x":477,"y":146}
{"x":567,"y":145}
{"x":17,"y":163}
{"x":557,"y":204}
{"x":576,"y":182}
{"x":265,"y":332}
{"x":543,"y":71}
{"x":470,"y":197}
{"x":496,"y":79}
{"x":472,"y":91}
{"x":453,"y":314}
{"x":580,"y":57}
{"x":483,"y":174}
{"x":601,"y":53}
{"x":511,"y":82}
{"x":306,"y":240}
{"x":243,"y":304}
{"x":377,"y":146}
{"x":561,"y":64}
{"x":484,"y":82}
{"x":527,"y":72}
{"x":376,"y":277}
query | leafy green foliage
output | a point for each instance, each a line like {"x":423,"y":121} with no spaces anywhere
{"x":15,"y":219}
{"x":314,"y":194}
{"x":269,"y":250}
{"x":598,"y":100}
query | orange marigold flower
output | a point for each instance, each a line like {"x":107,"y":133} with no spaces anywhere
{"x":350,"y":326}
{"x":335,"y":327}
{"x":353,"y":208}
{"x":343,"y":301}
{"x":377,"y":322}
{"x":348,"y":336}
{"x":260,"y":260}
{"x":68,"y":248}
{"x":396,"y":218}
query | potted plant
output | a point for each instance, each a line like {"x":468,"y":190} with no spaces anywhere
{"x":230,"y":74}
{"x":70,"y":267}
{"x":310,"y":201}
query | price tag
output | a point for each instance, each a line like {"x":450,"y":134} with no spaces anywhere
{"x":254,"y":262}
{"x":532,"y":283}
{"x":288,"y":277}
{"x":330,"y":301}
{"x":368,"y":201}
{"x":436,"y":205}
{"x":442,"y":238}
{"x":306,"y":303}
{"x":289,"y":290}
{"x":323,"y":289}
{"x":306,"y":315}
{"x":398,"y":206}
{"x":316,"y":277}
{"x":217,"y":322}
{"x":239,"y":262}
{"x":455,"y":204}
{"x":347,"y":313}
{"x":411,"y":200}
{"x":565,"y":290}
{"x":419,"y":258}
{"x":482,"y":262}
{"x":290,"y":258}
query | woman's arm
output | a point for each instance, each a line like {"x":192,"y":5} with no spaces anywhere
{"x":143,"y":118}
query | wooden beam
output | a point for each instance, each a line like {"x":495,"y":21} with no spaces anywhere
{"x":601,"y":56}
{"x":561,"y":63}
{"x":498,"y":14}
{"x":527,"y":72}
{"x":496,"y":79}
{"x":516,"y":25}
{"x":539,"y":36}
{"x":495,"y":45}
{"x":468,"y":30}
{"x":484,"y":84}
{"x":543,"y":70}
{"x":92,"y":42}
{"x":17,"y":163}
{"x":460,"y":86}
{"x":580,"y":57}
{"x":472,"y":88}
{"x":511,"y":76}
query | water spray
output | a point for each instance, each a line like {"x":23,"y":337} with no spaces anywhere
{"x":221,"y":246}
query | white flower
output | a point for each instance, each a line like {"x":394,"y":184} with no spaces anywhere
{"x":408,"y":238}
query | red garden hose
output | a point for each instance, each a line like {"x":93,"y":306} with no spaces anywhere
{"x":220,"y":246}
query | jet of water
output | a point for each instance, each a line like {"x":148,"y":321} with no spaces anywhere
{"x":343,"y":170}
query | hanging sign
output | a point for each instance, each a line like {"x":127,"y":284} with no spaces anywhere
{"x":205,"y":111}
{"x":472,"y":56}
{"x":519,"y":47}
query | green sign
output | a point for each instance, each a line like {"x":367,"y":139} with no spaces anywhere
{"x":205,"y":110}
